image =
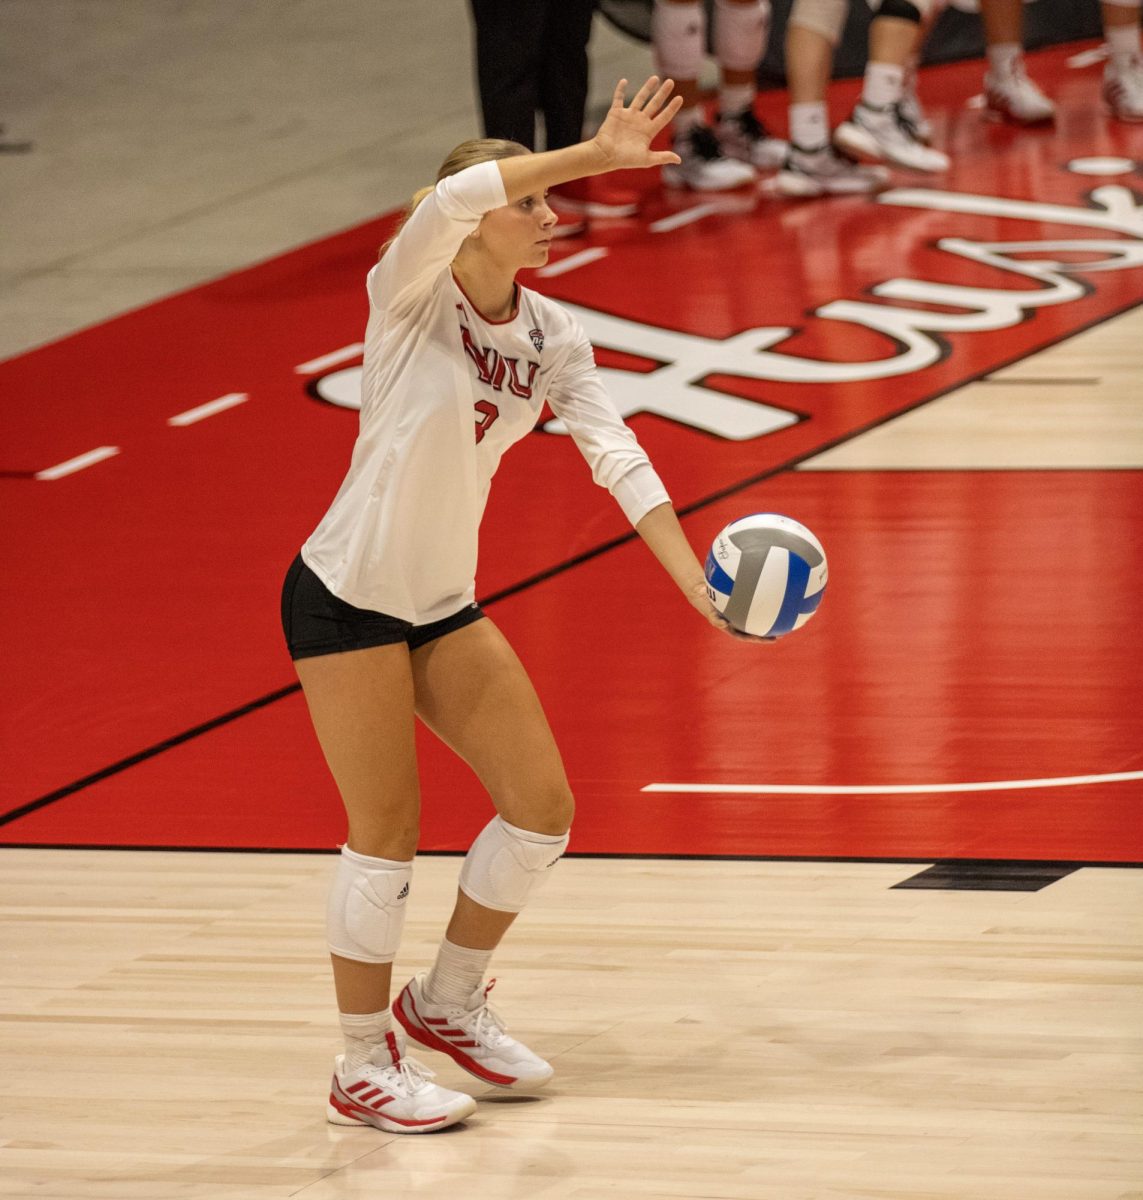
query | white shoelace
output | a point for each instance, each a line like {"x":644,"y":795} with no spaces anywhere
{"x":484,"y":1023}
{"x":408,"y":1075}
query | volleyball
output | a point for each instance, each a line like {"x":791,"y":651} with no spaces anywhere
{"x":766,"y":574}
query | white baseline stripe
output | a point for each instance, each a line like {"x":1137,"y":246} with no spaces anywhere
{"x":590,"y":255}
{"x":330,"y":360}
{"x":666,"y":224}
{"x":208,"y":410}
{"x":1087,"y":58}
{"x":78,"y":463}
{"x":792,"y":789}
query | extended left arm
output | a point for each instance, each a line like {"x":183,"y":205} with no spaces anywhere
{"x":661,"y":531}
{"x":619,"y":464}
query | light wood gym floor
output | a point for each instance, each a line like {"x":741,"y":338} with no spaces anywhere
{"x":720,"y":1029}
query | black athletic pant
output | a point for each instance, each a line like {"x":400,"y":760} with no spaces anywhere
{"x":531,"y":56}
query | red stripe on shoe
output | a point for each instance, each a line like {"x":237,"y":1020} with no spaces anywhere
{"x":418,"y":1030}
{"x":363,"y":1114}
{"x":350,"y":1108}
{"x":361,"y":1083}
{"x":368,"y":1095}
{"x":342,"y":1108}
{"x":409,"y":1124}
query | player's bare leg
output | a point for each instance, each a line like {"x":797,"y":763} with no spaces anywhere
{"x":474,"y":693}
{"x":361,"y":704}
{"x":878,"y":129}
{"x":1009,"y":93}
{"x":1122,"y":88}
{"x":813,"y":166}
{"x":678,"y":32}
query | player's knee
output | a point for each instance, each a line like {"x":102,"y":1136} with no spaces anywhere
{"x":549,"y":809}
{"x":366,"y":910}
{"x":678,"y":36}
{"x":740,"y":33}
{"x":506,"y":864}
{"x":392,"y":838}
{"x":825,"y":17}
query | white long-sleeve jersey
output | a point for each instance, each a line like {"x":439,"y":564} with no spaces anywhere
{"x":444,"y":393}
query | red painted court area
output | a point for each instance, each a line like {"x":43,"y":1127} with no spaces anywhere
{"x":977,"y":628}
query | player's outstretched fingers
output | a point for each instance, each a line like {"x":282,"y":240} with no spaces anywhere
{"x":645,"y":93}
{"x":619,"y":95}
{"x":659,"y":98}
{"x":666,"y":116}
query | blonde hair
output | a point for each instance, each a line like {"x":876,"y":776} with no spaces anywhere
{"x":467,"y":154}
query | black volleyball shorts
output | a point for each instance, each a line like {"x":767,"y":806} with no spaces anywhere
{"x":315,"y":621}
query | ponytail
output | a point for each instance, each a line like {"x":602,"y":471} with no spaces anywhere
{"x":467,"y":154}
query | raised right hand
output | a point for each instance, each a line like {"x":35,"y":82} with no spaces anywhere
{"x":624,"y":138}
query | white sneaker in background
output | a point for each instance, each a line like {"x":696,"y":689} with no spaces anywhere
{"x":883,"y":134}
{"x":704,"y":166}
{"x":825,"y":172}
{"x":1013,"y":96}
{"x":742,"y":136}
{"x":1122,"y":90}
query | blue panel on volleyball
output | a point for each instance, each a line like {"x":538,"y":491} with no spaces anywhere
{"x":795,"y":602}
{"x":717,"y":577}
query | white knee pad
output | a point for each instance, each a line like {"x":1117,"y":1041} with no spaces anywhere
{"x":826,"y":17}
{"x":678,"y":34}
{"x":506,"y":864}
{"x":366,"y":910}
{"x":740,"y":33}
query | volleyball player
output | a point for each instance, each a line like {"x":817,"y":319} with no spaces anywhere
{"x":878,"y":129}
{"x":725,"y":155}
{"x":380,"y":616}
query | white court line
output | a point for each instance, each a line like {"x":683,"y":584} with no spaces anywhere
{"x":792,"y":789}
{"x":1087,"y":58}
{"x":590,"y":255}
{"x":78,"y":463}
{"x":666,"y":224}
{"x":330,"y":360}
{"x":208,"y":410}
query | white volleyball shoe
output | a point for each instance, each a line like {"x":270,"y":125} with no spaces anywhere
{"x":473,"y":1035}
{"x":394,"y":1093}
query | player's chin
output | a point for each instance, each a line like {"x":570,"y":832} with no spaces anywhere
{"x":541,"y":253}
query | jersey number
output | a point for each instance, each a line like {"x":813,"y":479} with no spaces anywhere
{"x":488,"y":412}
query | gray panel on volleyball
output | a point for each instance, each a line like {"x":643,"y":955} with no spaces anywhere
{"x":754,"y":546}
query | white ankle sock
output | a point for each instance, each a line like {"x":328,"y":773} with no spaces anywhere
{"x":884,"y":84}
{"x":1005,"y":57}
{"x":456,"y":974}
{"x":1122,"y":44}
{"x":363,"y":1032}
{"x":736,"y":97}
{"x":809,"y":125}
